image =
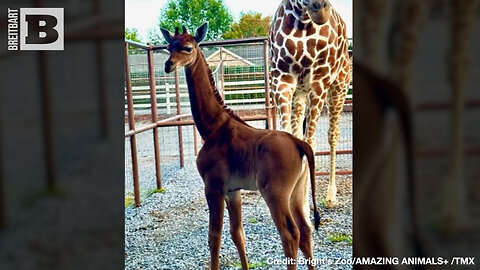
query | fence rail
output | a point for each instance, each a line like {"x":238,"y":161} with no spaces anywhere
{"x":167,"y":93}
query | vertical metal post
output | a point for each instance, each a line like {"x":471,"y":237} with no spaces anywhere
{"x":195,"y":141}
{"x":267,"y":84}
{"x":179,"y":111}
{"x":131,"y":124}
{"x":153,"y":102}
{"x":222,"y":81}
{"x":46,"y":118}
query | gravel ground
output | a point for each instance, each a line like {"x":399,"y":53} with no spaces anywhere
{"x":170,"y":230}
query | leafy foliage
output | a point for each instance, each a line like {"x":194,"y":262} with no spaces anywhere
{"x":132,"y":34}
{"x":192,"y":13}
{"x":251,"y":24}
{"x":154,"y":36}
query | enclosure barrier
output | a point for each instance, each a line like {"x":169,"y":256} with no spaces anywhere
{"x":179,"y":119}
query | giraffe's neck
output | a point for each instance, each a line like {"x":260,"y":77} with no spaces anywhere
{"x":208,"y":109}
{"x":207,"y":113}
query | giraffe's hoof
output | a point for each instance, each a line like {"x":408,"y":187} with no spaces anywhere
{"x":329,"y":204}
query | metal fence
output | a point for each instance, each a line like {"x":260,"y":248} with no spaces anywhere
{"x":159,"y":102}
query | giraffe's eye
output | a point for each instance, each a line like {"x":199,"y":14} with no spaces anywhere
{"x":187,"y":49}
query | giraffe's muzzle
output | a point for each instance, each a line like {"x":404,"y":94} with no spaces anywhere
{"x":318,"y":10}
{"x":169,"y":66}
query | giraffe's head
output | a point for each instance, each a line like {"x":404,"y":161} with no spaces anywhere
{"x":318,"y":10}
{"x":182,"y":47}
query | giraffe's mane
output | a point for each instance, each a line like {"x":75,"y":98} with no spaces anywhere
{"x":219,"y":97}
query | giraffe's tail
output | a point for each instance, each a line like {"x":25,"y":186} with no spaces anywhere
{"x":306,"y":150}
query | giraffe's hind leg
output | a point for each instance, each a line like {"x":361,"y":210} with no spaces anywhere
{"x":315,"y":101}
{"x":298,"y":201}
{"x":298,"y":112}
{"x":336,"y":99}
{"x":286,"y":226}
{"x":283,"y":87}
{"x":316,"y":98}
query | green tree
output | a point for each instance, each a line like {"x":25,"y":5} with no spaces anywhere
{"x":154,"y":36}
{"x":251,"y":24}
{"x":132,"y":34}
{"x":192,"y":13}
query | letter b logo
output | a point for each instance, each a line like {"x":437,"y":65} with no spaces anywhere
{"x":41,"y":29}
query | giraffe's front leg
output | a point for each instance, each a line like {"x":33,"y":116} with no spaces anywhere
{"x":234,"y":206}
{"x":215,"y":199}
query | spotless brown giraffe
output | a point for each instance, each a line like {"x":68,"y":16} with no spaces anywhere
{"x":310,"y":64}
{"x":237,"y":156}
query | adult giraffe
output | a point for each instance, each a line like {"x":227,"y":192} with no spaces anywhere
{"x":310,"y":64}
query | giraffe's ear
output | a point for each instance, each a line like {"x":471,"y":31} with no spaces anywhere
{"x":201,"y":32}
{"x":166,"y":34}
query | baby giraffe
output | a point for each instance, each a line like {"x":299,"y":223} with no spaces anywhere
{"x":237,"y":156}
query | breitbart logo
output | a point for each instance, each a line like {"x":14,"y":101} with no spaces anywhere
{"x":35,"y":29}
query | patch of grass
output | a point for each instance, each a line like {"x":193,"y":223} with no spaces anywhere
{"x":322,"y":203}
{"x":252,"y":265}
{"x":340,"y":237}
{"x":153,"y":191}
{"x":253,"y":220}
{"x":130,"y":196}
{"x":257,"y":264}
{"x":129,"y":199}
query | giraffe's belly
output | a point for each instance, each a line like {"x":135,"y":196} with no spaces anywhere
{"x":304,"y":82}
{"x":237,"y":182}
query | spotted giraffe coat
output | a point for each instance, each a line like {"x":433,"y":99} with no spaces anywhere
{"x":307,"y":58}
